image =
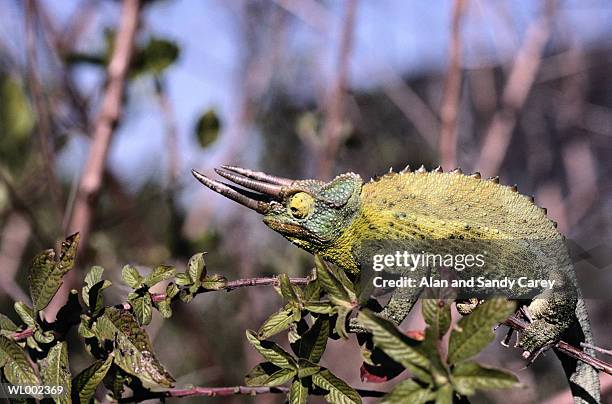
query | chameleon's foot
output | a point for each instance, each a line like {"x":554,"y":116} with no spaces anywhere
{"x":466,"y":306}
{"x":506,"y":341}
{"x":538,"y":337}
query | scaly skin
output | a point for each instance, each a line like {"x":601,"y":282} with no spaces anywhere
{"x":335,"y":219}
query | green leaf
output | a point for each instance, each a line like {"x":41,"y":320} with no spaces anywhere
{"x":298,"y":394}
{"x":43,"y":337}
{"x":319,"y":307}
{"x":133,"y":350}
{"x":444,"y":395}
{"x":7,"y":327}
{"x":131,"y":276}
{"x":470,"y":376}
{"x":55,"y":371}
{"x":207,"y":128}
{"x":340,"y":327}
{"x":277,"y":322}
{"x":45,"y":275}
{"x":26,"y":313}
{"x":196,"y":268}
{"x":93,"y":276}
{"x":96,"y":300}
{"x":13,"y":360}
{"x":165,"y":308}
{"x":214,"y":282}
{"x":143,"y":308}
{"x":474,"y":332}
{"x":312,"y":344}
{"x":260,"y":373}
{"x":307,"y":368}
{"x":84,"y":330}
{"x":279,"y":377}
{"x":408,"y":391}
{"x":160,"y":273}
{"x":331,"y":284}
{"x":154,"y":57}
{"x":437,"y":315}
{"x":287,"y":289}
{"x":338,"y":391}
{"x":399,"y":347}
{"x":271,"y":351}
{"x":183,"y":279}
{"x":312,"y":291}
{"x":85,"y":383}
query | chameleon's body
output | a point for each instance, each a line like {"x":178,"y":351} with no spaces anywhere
{"x":334,"y":219}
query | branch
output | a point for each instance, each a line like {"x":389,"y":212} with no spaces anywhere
{"x":228,"y":287}
{"x":522,"y":76}
{"x":104,"y":127}
{"x":566,"y":348}
{"x":206,"y":392}
{"x":452,"y":93}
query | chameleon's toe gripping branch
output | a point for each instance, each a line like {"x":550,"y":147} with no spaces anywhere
{"x":267,"y":188}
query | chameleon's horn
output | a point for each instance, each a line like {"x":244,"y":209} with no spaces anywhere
{"x":258,"y":175}
{"x":253,"y":185}
{"x":223,"y":189}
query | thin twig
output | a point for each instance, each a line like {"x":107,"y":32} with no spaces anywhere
{"x":597,"y":348}
{"x":566,"y":348}
{"x":229,"y":286}
{"x":206,"y":392}
{"x":522,"y":76}
{"x":452,"y":92}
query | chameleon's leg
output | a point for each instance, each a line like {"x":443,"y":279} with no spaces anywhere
{"x":401,"y":302}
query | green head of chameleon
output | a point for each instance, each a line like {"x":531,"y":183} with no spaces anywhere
{"x":312,"y":214}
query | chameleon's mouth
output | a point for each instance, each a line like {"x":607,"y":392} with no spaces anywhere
{"x":262,"y":191}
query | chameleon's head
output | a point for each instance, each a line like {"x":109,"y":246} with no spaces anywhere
{"x":310,"y":213}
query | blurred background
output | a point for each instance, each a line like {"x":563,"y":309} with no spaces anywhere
{"x":105,"y":106}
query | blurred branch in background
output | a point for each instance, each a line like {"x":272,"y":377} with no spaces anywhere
{"x":452,"y":92}
{"x":332,"y":131}
{"x":13,"y":242}
{"x":42,"y":109}
{"x":104,"y":126}
{"x":522,"y":76}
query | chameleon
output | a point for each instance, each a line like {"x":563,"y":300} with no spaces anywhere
{"x":332,"y":219}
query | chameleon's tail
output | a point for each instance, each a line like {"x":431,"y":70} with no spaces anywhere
{"x":583,"y":378}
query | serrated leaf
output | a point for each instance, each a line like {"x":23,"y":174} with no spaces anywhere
{"x":260,"y":373}
{"x":43,"y":337}
{"x":338,"y":391}
{"x":96,"y":300}
{"x":474,"y":332}
{"x":84,"y":330}
{"x":298,"y":394}
{"x":165,"y":308}
{"x":182,"y":279}
{"x":93,"y":276}
{"x":45,"y":274}
{"x":85,"y":383}
{"x":444,"y":395}
{"x":287,"y":289}
{"x":319,"y":307}
{"x":330,"y":284}
{"x":26,"y":313}
{"x":7,"y":327}
{"x":133,"y":351}
{"x":131,"y":276}
{"x":398,"y":346}
{"x":312,"y":344}
{"x":279,"y":377}
{"x":470,"y":376}
{"x":159,"y":274}
{"x":115,"y":381}
{"x":14,"y":362}
{"x":143,"y":308}
{"x":55,"y":371}
{"x":437,"y":315}
{"x":307,"y":368}
{"x":271,"y":351}
{"x":214,"y":282}
{"x":312,"y":291}
{"x":277,"y":322}
{"x":196,"y":268}
{"x":408,"y":391}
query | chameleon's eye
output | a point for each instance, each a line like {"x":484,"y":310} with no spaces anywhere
{"x":300,"y":205}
